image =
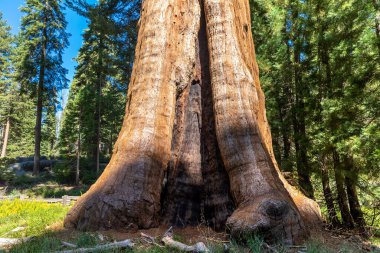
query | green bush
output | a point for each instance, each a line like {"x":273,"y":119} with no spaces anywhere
{"x":64,"y":171}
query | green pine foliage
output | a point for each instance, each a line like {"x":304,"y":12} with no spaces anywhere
{"x":14,"y":106}
{"x":38,"y":65}
{"x":320,"y":66}
{"x":97,"y":98}
{"x":42,"y":17}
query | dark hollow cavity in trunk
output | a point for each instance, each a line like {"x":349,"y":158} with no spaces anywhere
{"x":196,"y":190}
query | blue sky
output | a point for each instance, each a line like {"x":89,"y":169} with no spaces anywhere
{"x":76,"y":25}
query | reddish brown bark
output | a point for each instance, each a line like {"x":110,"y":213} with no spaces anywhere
{"x":195,"y":146}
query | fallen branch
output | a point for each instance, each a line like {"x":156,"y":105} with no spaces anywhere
{"x":114,"y":245}
{"x":70,"y":245}
{"x":150,"y":238}
{"x":198,"y":247}
{"x":169,"y":232}
{"x":14,"y":230}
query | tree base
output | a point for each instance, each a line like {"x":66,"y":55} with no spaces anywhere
{"x":195,"y":147}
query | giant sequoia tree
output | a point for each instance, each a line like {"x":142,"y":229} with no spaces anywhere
{"x":195,"y":143}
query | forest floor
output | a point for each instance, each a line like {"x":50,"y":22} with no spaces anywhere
{"x":43,"y":223}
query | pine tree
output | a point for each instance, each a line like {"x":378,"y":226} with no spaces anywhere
{"x":6,"y":83}
{"x":326,"y":57}
{"x":102,"y":74}
{"x":16,"y":109}
{"x":39,"y":67}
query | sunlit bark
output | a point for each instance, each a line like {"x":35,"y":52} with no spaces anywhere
{"x":195,"y":145}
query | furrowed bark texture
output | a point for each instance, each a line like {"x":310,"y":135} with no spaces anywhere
{"x":195,"y":146}
{"x":128,"y":191}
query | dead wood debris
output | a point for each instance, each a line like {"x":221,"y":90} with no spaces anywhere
{"x":114,"y":245}
{"x":198,"y":247}
{"x":167,"y":240}
{"x":69,"y":245}
{"x":6,"y":242}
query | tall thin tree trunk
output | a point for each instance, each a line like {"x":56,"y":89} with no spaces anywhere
{"x":376,"y":6}
{"x":303,"y":168}
{"x":285,"y":164}
{"x":5,"y":139}
{"x":286,"y":105}
{"x":2,"y":130}
{"x":77,"y":170}
{"x":40,"y":90}
{"x":351,"y":180}
{"x":353,"y":200}
{"x":98,"y":122}
{"x":327,"y":193}
{"x":98,"y":115}
{"x":96,"y":140}
{"x":342,"y":196}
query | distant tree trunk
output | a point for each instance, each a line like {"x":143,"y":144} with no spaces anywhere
{"x":96,"y":140}
{"x":342,"y":196}
{"x":194,"y":130}
{"x":5,"y":139}
{"x":98,"y":115}
{"x":299,"y":127}
{"x":40,"y":90}
{"x":110,"y":144}
{"x":2,"y":134}
{"x":285,"y":110}
{"x":376,"y":6}
{"x":351,"y":181}
{"x":285,"y":164}
{"x":327,"y":193}
{"x":77,"y":170}
{"x":97,"y":130}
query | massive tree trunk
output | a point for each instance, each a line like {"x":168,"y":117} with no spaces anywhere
{"x":195,"y":145}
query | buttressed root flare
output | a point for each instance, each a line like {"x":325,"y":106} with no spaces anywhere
{"x":195,"y":145}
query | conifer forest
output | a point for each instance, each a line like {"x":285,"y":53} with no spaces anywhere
{"x":190,"y":126}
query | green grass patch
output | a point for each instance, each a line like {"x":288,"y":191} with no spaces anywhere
{"x":47,"y":243}
{"x":317,"y":247}
{"x":32,"y":216}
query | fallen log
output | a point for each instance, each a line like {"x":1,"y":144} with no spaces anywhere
{"x":199,"y":247}
{"x":5,"y":242}
{"x":114,"y":245}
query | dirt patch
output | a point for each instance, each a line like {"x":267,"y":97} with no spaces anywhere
{"x":188,"y":235}
{"x":334,"y":240}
